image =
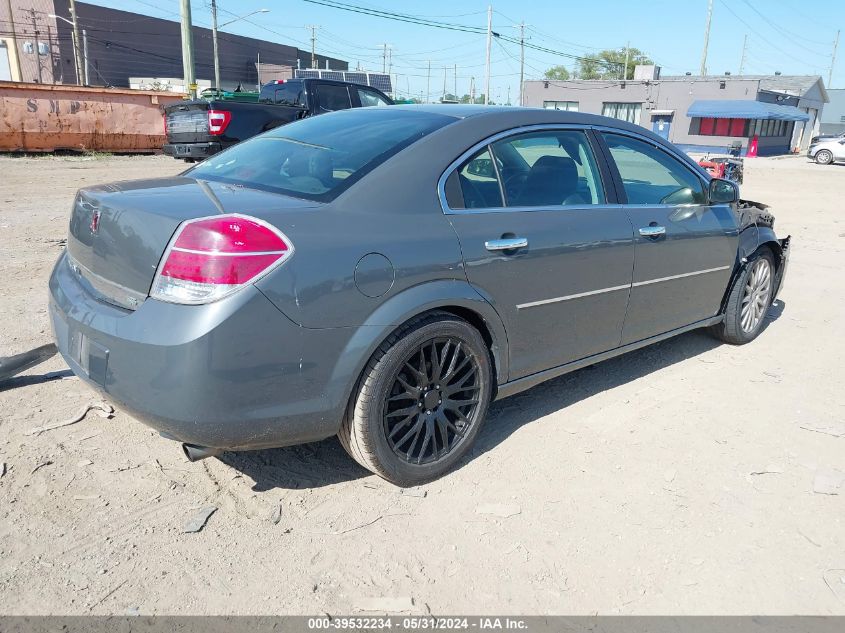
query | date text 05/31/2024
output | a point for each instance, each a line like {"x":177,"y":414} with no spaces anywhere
{"x":416,"y":623}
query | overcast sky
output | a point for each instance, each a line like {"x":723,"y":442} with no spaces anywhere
{"x":791,"y":36}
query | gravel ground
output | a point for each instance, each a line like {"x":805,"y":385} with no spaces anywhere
{"x":686,"y":478}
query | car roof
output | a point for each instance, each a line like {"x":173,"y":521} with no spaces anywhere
{"x":515,"y":116}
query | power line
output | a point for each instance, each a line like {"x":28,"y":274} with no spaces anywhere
{"x":772,"y":46}
{"x":782,"y":31}
{"x":411,"y":19}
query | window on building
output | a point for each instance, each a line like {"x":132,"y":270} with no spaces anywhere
{"x":569,"y":106}
{"x":706,"y":126}
{"x":629,"y":112}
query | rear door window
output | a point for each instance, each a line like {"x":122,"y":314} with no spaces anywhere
{"x":548,"y":169}
{"x":290,"y":94}
{"x":332,"y":97}
{"x":651,"y":176}
{"x":478,"y":184}
{"x":554,"y":168}
{"x":370,"y":98}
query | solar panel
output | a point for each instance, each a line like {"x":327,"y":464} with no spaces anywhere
{"x":307,"y":74}
{"x":331,"y":74}
{"x":380,"y":81}
{"x":357,"y":78}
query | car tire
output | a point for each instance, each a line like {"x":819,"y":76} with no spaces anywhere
{"x":748,"y":301}
{"x":824,"y":157}
{"x":404,"y":422}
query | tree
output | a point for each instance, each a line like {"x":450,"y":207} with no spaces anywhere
{"x":557,"y":72}
{"x":610,"y":64}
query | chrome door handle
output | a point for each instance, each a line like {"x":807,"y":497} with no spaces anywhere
{"x":506,"y":244}
{"x":653,"y":231}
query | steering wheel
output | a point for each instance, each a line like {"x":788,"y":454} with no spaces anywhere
{"x":513,"y":183}
{"x":683,"y":195}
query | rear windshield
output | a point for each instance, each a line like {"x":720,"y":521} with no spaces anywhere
{"x":320,"y":157}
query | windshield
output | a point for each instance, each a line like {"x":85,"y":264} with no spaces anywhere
{"x":320,"y":157}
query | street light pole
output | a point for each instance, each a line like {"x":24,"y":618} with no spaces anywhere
{"x":77,"y":55}
{"x":81,"y":62}
{"x":85,"y":56}
{"x":214,"y":28}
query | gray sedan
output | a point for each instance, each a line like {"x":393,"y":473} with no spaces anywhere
{"x":383,"y":274}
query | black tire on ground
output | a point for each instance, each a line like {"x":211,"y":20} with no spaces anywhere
{"x":405,"y":421}
{"x":748,"y":291}
{"x":824,"y":157}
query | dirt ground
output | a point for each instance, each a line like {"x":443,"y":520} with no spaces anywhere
{"x":686,"y":478}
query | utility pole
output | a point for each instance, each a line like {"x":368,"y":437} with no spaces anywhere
{"x":472,"y":90}
{"x":521,"y":59}
{"x":428,"y":84}
{"x":489,"y":43}
{"x":85,"y":57}
{"x":188,"y":49}
{"x":706,"y":37}
{"x":384,"y":59}
{"x":833,"y":60}
{"x":744,"y":49}
{"x":313,"y":45}
{"x":77,"y":55}
{"x":37,"y":45}
{"x":214,"y":43}
{"x":627,"y":56}
{"x":15,"y":40}
{"x":444,"y":84}
{"x":456,"y":81}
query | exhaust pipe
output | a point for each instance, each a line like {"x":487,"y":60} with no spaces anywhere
{"x":195,"y":453}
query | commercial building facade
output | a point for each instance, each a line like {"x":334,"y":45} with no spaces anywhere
{"x":35,"y":47}
{"x":700,"y":114}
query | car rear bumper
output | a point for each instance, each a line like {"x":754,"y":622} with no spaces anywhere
{"x":236,"y":374}
{"x":191,"y":150}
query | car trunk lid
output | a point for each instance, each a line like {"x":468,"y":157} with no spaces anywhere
{"x":118,"y":232}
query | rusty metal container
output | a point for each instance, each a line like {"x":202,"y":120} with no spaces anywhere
{"x":43,"y":118}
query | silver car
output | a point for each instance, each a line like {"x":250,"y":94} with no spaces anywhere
{"x":827,"y":150}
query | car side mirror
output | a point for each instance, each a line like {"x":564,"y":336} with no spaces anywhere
{"x":722,"y":191}
{"x":482,"y":167}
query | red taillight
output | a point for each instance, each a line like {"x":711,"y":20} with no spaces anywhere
{"x":218,"y":120}
{"x":164,"y":120}
{"x":210,"y":258}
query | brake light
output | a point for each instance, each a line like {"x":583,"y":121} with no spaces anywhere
{"x":164,"y":120}
{"x":218,"y":120}
{"x":210,"y":258}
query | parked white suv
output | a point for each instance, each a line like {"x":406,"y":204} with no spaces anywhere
{"x":827,"y":151}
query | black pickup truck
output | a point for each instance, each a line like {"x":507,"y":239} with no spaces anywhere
{"x":202,"y":127}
